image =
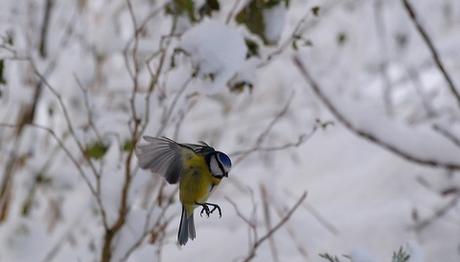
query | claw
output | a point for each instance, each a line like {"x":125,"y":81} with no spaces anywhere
{"x":205,"y":209}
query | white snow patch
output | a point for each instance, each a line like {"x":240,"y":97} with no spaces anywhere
{"x":361,"y":255}
{"x":274,"y":19}
{"x":215,"y":49}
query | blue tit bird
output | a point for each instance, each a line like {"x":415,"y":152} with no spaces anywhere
{"x":198,"y":168}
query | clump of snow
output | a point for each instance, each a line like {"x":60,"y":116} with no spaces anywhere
{"x":351,"y":183}
{"x":274,"y":18}
{"x":216,"y":50}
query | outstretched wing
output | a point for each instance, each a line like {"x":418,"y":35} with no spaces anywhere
{"x":161,"y":155}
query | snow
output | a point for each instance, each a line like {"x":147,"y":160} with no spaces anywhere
{"x":415,"y":251}
{"x":360,"y":255}
{"x":215,"y":49}
{"x":418,"y":141}
{"x":363,"y":200}
{"x":274,"y":18}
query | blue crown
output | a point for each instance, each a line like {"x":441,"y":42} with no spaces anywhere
{"x":224,"y":159}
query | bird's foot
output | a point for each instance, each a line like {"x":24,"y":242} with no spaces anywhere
{"x":215,"y":207}
{"x":205,"y":209}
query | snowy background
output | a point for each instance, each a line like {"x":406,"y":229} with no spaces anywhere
{"x":340,"y":99}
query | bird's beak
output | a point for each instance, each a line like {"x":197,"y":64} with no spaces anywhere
{"x":226,"y":175}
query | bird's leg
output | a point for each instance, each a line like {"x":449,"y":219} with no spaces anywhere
{"x":214,"y":207}
{"x":204,"y":208}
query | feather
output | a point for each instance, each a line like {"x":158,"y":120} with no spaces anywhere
{"x":182,"y":235}
{"x":186,"y":227}
{"x":161,"y":155}
{"x":202,"y":149}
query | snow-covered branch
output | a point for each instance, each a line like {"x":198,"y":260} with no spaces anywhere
{"x":419,"y":145}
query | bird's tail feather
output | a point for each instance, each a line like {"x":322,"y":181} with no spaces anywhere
{"x":186,"y":227}
{"x":191,"y":227}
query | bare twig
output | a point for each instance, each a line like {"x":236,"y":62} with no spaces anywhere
{"x":97,"y":175}
{"x":171,"y":108}
{"x":259,"y":241}
{"x":299,"y":245}
{"x":418,"y":85}
{"x":61,"y":240}
{"x":383,"y":65}
{"x":66,"y":116}
{"x":180,"y":121}
{"x":261,"y":138}
{"x":301,"y":139}
{"x":296,"y":33}
{"x":438,"y":213}
{"x":134,"y":75}
{"x":238,"y":212}
{"x":268,"y":222}
{"x":434,"y":53}
{"x":26,"y":116}
{"x":29,"y":199}
{"x":112,"y":230}
{"x":136,"y":133}
{"x":317,"y":215}
{"x":156,"y":75}
{"x":147,"y":227}
{"x":64,"y":148}
{"x":44,"y":27}
{"x":447,"y":134}
{"x":364,"y":134}
{"x":232,"y":11}
{"x":88,"y":109}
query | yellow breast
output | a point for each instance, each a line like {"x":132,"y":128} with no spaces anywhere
{"x":196,"y":180}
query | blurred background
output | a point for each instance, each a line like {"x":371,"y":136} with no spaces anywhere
{"x":341,"y":118}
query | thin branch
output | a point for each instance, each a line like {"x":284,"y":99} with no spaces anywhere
{"x":362,"y":133}
{"x":134,"y":75}
{"x":156,"y":75}
{"x":383,"y":65}
{"x":179,"y":122}
{"x":26,"y":116}
{"x":73,"y":134}
{"x":113,"y":230}
{"x":258,"y":242}
{"x":136,"y":133}
{"x":88,"y":108}
{"x":268,"y":222}
{"x":447,"y":134}
{"x":317,"y":215}
{"x":232,"y":11}
{"x":238,"y":212}
{"x":296,"y":33}
{"x":418,"y":85}
{"x":434,"y":53}
{"x":284,"y":220}
{"x":66,"y":116}
{"x":261,"y":138}
{"x":300,"y":246}
{"x":438,"y":213}
{"x":300,"y":140}
{"x":64,"y":148}
{"x":29,"y":199}
{"x":147,"y":228}
{"x":44,"y":28}
{"x":171,"y":108}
